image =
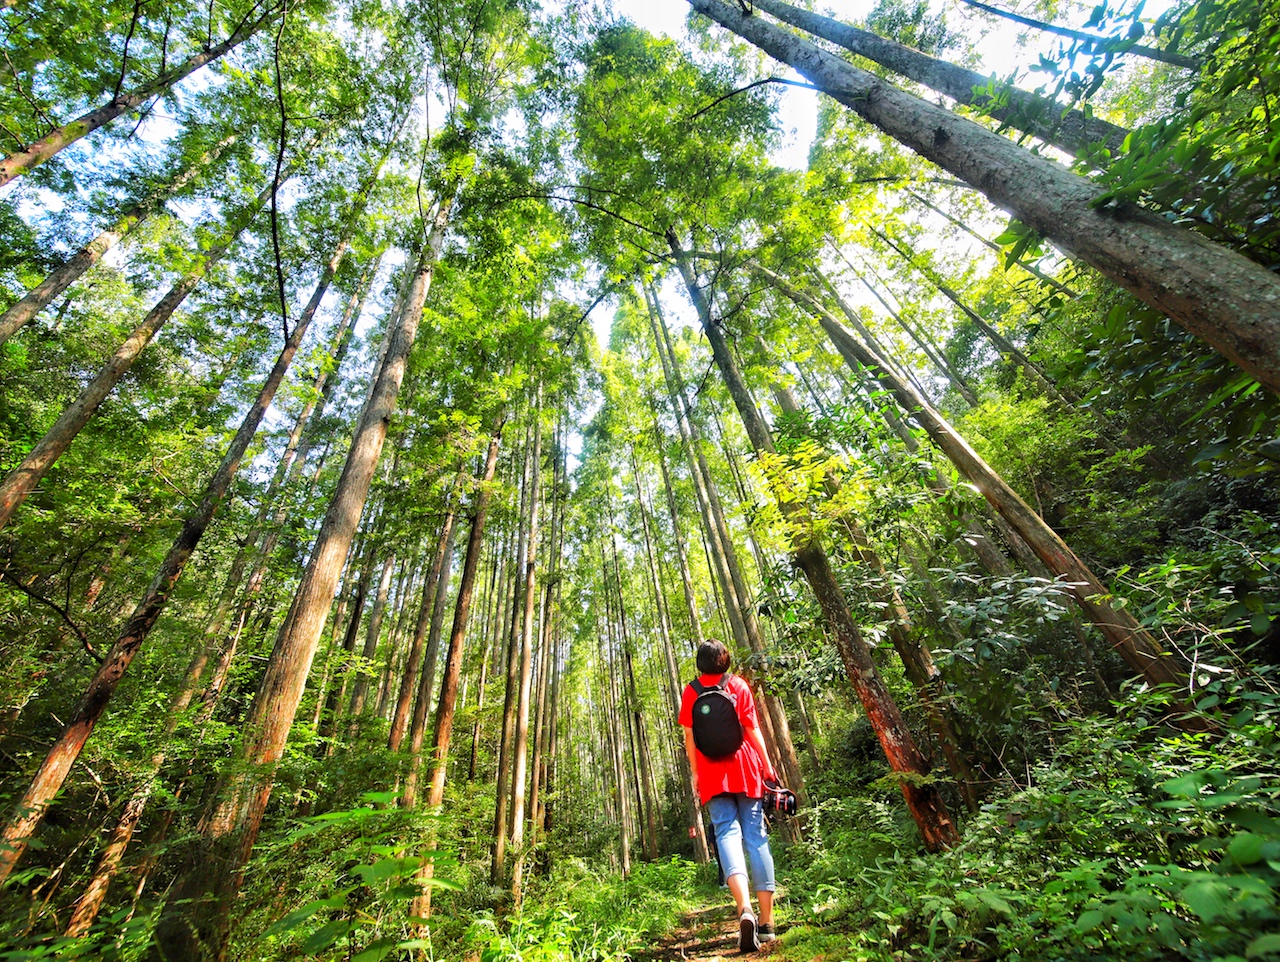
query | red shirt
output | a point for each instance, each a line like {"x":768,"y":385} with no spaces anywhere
{"x":744,"y":771}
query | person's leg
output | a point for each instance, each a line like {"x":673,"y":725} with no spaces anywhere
{"x":756,"y":842}
{"x":724,"y":816}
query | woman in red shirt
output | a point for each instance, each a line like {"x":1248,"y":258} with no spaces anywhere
{"x":732,"y":789}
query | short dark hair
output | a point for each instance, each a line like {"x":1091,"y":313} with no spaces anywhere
{"x":713,"y":657}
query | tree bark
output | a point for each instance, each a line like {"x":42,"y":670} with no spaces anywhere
{"x":453,"y":657}
{"x":198,"y":930}
{"x":53,"y":771}
{"x":1071,"y":130}
{"x":520,"y":758}
{"x":20,"y":162}
{"x":1126,"y":636}
{"x":502,"y":801}
{"x":923,"y":800}
{"x":74,"y":267}
{"x":24,"y":478}
{"x":431,"y":601}
{"x":1230,"y":302}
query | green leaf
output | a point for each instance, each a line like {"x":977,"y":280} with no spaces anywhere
{"x":1090,"y":920}
{"x":326,"y":935}
{"x":298,"y":916}
{"x":1263,"y":945}
{"x":1246,"y":848}
{"x":1208,"y":899}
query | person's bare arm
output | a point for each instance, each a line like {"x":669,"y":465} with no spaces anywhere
{"x":757,"y":742}
{"x":691,"y":751}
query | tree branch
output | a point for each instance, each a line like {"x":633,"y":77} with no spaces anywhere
{"x":275,"y":182}
{"x":741,"y":90}
{"x":8,"y":576}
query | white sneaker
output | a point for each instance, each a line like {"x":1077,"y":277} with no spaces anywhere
{"x":747,"y":941}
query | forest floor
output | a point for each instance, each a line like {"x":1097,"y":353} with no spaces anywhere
{"x":709,"y":933}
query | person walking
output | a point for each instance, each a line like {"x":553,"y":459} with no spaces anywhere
{"x":730,"y":764}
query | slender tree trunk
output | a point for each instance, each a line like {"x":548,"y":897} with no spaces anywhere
{"x":693,"y":811}
{"x":682,"y":555}
{"x":520,"y":758}
{"x":924,"y":802}
{"x":287,"y":472}
{"x":431,"y":601}
{"x":991,"y":245}
{"x":20,"y":162}
{"x":1214,"y":293}
{"x":24,"y":478}
{"x":198,"y":930}
{"x":1069,"y":129}
{"x":1118,"y":45}
{"x":74,"y":267}
{"x":502,"y":802}
{"x":53,"y":771}
{"x":735,"y":586}
{"x":1129,"y":638}
{"x":373,"y":633}
{"x":453,"y":657}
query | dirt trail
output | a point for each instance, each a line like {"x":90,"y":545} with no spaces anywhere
{"x":708,"y":934}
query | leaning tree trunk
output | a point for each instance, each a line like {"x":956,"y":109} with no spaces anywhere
{"x":1069,"y":129}
{"x":23,"y":479}
{"x":74,"y":267}
{"x":925,"y":803}
{"x":1214,"y":293}
{"x":1126,"y":635}
{"x":1119,"y":45}
{"x":53,"y":771}
{"x":196,"y":921}
{"x":20,"y":162}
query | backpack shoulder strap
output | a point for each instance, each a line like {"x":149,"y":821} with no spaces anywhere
{"x":698,"y":687}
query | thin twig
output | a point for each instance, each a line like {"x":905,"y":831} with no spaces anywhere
{"x":8,"y":576}
{"x":741,"y":90}
{"x":124,"y":56}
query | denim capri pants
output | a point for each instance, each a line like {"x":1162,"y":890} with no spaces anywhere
{"x":739,"y":823}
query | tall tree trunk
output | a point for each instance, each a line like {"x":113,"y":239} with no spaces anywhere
{"x":924,"y":802}
{"x":736,"y":587}
{"x":421,"y":907}
{"x":520,"y":758}
{"x":74,"y":267}
{"x":1070,"y":129}
{"x":996,"y":248}
{"x":373,"y":634}
{"x":682,"y":555}
{"x":1129,"y":638}
{"x":198,"y":930}
{"x":502,"y":802}
{"x":693,"y":811}
{"x":913,"y":650}
{"x":1214,"y":293}
{"x":24,"y":478}
{"x":53,"y":771}
{"x":431,"y":602}
{"x":1119,"y":45}
{"x":18,"y":163}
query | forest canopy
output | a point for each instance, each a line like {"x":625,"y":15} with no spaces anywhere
{"x":394,"y":396}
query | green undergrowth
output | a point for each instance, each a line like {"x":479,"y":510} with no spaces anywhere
{"x":1127,"y":840}
{"x":585,"y":915}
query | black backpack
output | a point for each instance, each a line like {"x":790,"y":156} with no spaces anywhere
{"x":717,"y":732}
